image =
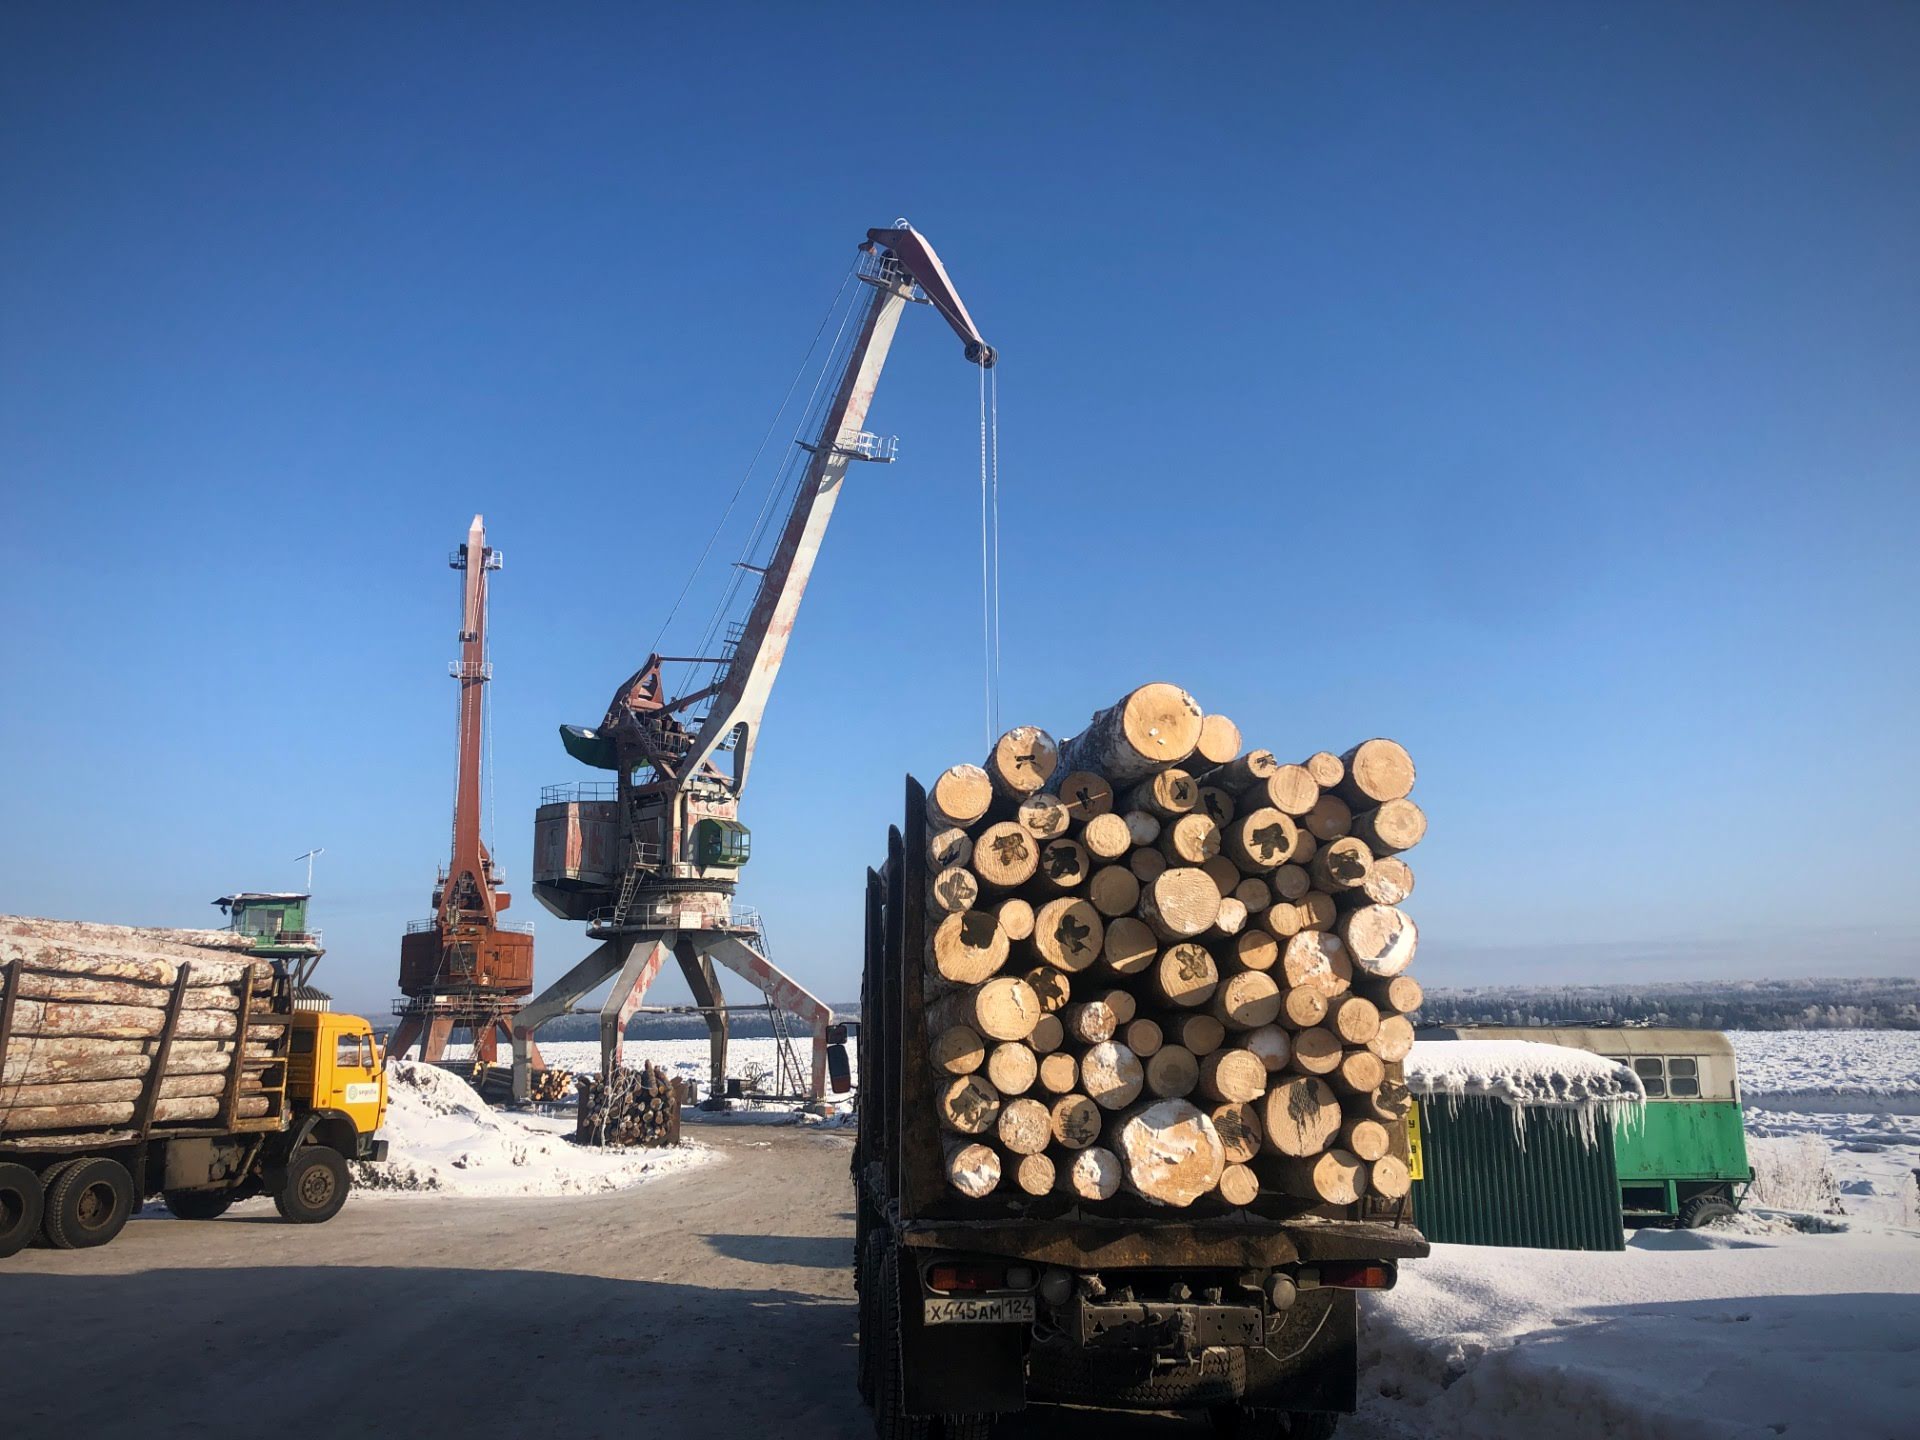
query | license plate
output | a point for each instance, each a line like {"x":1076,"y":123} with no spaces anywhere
{"x":1001,"y":1310}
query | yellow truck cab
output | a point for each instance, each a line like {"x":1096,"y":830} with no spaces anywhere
{"x":337,"y":1095}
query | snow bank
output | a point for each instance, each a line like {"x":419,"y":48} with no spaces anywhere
{"x":1526,"y":1075}
{"x":443,"y":1137}
{"x":1694,"y":1335}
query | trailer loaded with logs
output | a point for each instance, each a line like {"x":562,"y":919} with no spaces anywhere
{"x":1133,"y":1129}
{"x":137,"y":1062}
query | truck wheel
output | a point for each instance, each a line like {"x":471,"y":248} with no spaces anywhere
{"x":88,"y":1203}
{"x":866,"y":1286}
{"x":966,"y":1427}
{"x":1704,"y":1210}
{"x":198,"y":1204}
{"x":890,"y":1418}
{"x":315,"y":1188}
{"x":22,"y":1202}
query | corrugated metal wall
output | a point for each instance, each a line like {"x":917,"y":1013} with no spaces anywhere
{"x":1482,"y":1188}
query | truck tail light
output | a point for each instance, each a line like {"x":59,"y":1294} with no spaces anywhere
{"x":1357,"y":1275}
{"x":951,"y":1278}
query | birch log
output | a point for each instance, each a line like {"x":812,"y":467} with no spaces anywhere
{"x":1003,"y":1008}
{"x":1024,"y":1126}
{"x":1245,"y":1001}
{"x":1171,"y":1072}
{"x":1044,"y":817}
{"x":1169,"y":1152}
{"x":1377,"y":771}
{"x":1218,"y":743}
{"x":953,"y":890}
{"x":1147,"y":730}
{"x":1022,"y":761}
{"x":1239,"y":1185}
{"x":1185,"y":975}
{"x":1106,"y":837}
{"x":1005,"y":856}
{"x":960,"y":796}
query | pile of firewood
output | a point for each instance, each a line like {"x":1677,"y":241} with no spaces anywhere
{"x":1156,"y":962}
{"x":632,"y":1107}
{"x":88,"y":1009}
{"x":549,"y":1085}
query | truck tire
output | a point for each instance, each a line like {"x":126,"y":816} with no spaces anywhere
{"x":890,"y":1418}
{"x":315,"y":1186}
{"x":198,"y":1204}
{"x":88,"y":1203}
{"x":1704,"y":1210}
{"x":866,"y":1287}
{"x":22,"y":1203}
{"x":966,"y":1427}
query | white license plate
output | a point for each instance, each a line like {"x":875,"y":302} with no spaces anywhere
{"x":1001,"y":1310}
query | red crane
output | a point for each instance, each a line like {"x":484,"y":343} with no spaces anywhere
{"x":462,"y":968}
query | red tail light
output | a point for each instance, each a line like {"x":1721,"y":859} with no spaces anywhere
{"x":963,"y":1278}
{"x":1357,"y":1275}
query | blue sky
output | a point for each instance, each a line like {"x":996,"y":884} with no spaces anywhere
{"x":1532,"y":383}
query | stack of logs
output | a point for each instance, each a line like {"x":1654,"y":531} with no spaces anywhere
{"x":549,"y":1086}
{"x":88,"y":1011}
{"x":1156,"y":962}
{"x":632,"y":1107}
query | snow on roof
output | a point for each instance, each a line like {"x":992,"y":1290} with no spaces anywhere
{"x":1527,"y":1077}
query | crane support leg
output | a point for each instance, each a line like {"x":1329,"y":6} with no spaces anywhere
{"x":697,"y":967}
{"x":557,"y":999}
{"x":644,"y":955}
{"x":781,"y":989}
{"x":405,"y":1036}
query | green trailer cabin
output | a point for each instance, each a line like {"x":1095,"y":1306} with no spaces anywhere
{"x":1683,"y":1160}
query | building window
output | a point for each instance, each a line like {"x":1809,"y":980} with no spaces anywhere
{"x":1652,"y":1075}
{"x":1683,"y":1076}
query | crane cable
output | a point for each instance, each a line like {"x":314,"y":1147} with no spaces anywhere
{"x":990,"y":545}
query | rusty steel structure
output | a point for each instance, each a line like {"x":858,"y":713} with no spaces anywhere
{"x":650,"y":858}
{"x":462,"y":968}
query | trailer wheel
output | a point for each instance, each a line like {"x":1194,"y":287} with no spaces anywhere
{"x":1704,"y":1210}
{"x":890,"y":1418}
{"x":22,"y":1203}
{"x":88,"y":1203}
{"x":198,"y":1204}
{"x":315,"y":1186}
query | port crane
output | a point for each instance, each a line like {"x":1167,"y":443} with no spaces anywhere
{"x":651,"y":859}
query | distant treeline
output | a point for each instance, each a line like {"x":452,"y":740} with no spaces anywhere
{"x":1702,"y":1004}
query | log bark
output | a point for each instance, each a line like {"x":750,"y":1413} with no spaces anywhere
{"x":25,"y":1119}
{"x":1354,"y":1020}
{"x":1044,"y":817}
{"x":1390,"y":828}
{"x":1048,"y":1034}
{"x":1111,"y":1075}
{"x":89,"y":1092}
{"x":1076,"y":1122}
{"x":960,"y":796}
{"x":1015,"y":917}
{"x":1289,"y":789}
{"x":1202,"y":1034}
{"x":1147,"y":730}
{"x":1318,"y":959}
{"x":972,"y":1168}
{"x":1012,"y":1068}
{"x":1219,"y":742}
{"x":1390,"y":1178}
{"x":1367,"y":1139}
{"x":953,"y":890}
{"x":1092,"y":1174}
{"x":1233,"y":1075}
{"x":1035,"y":1174}
{"x":1239,"y":1186}
{"x":1240,"y":775}
{"x":1064,"y":864}
{"x":1272,"y":1044}
{"x":1166,"y":796}
{"x":1326,"y":768}
{"x":1171,"y":1072}
{"x":1377,"y":771}
{"x":70,"y":1059}
{"x":36,"y":1019}
{"x":1245,"y":1001}
{"x":1106,"y":837}
{"x":1005,"y":856}
{"x":1237,"y":1123}
{"x":1025,"y":1126}
{"x":1316,"y":1051}
{"x":1393,"y":994}
{"x":1068,"y":933}
{"x":1190,"y":840}
{"x":1144,"y":1037}
{"x":1334,"y":1178}
{"x":91,"y":990}
{"x":1130,"y":946}
{"x":968,"y":1105}
{"x":1003,"y":1008}
{"x":1329,"y":819}
{"x":1142,"y":829}
{"x":1394,"y":1041}
{"x":1358,"y":1073}
{"x":1179,"y":903}
{"x":1089,"y":1021}
{"x":1341,"y":864}
{"x":1085,"y":795}
{"x":1185,"y":975}
{"x":1170,"y":1152}
{"x":1299,"y":1116}
{"x":159,"y":965}
{"x":1059,"y":1073}
{"x":1022,"y":761}
{"x":1379,"y":939}
{"x":968,"y":948}
{"x":957,"y":1050}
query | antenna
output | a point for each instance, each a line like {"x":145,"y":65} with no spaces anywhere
{"x":308,"y":857}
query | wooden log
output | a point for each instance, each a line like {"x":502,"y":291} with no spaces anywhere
{"x":1231,"y":920}
{"x":145,"y":963}
{"x":37,"y":1019}
{"x":120,"y":939}
{"x":1377,"y":771}
{"x":1389,"y":1104}
{"x":972,"y":1168}
{"x":1089,"y":1021}
{"x":1326,"y":768}
{"x":1334,"y":1177}
{"x":1048,"y":1033}
{"x":1015,"y":916}
{"x":1189,"y":840}
{"x":1224,"y":874}
{"x":1149,"y":729}
{"x":1185,"y":975}
{"x":1245,"y":1001}
{"x":1035,"y":1174}
{"x":1303,"y":1006}
{"x":1130,"y":946}
{"x":1142,"y":829}
{"x":1341,"y":864}
{"x":1169,"y":1152}
{"x":1239,"y":1186}
{"x":1254,"y":894}
{"x":967,"y":948}
{"x":87,"y":989}
{"x":1236,"y":1075}
{"x":1022,"y":761}
{"x":1290,"y":882}
{"x":1146,"y":865}
{"x":1237,"y":1123}
{"x":1005,"y":856}
{"x":1059,"y":1073}
{"x":1358,"y":1073}
{"x":1025,"y":1126}
{"x":1354,"y":1020}
{"x":88,"y":1092}
{"x":65,"y":1059}
{"x":1045,"y":817}
{"x":1219,"y":742}
{"x":1316,"y":1051}
{"x":968,"y":1105}
{"x":1111,"y":1075}
{"x":1166,"y":796}
{"x":1380,"y":940}
{"x":953,"y":890}
{"x":1085,"y":795}
{"x":1390,"y":1178}
{"x":1052,"y":988}
{"x":1179,"y":903}
{"x":1390,"y":828}
{"x":1216,"y":804}
{"x":1012,"y":1068}
{"x":1367,"y":1139}
{"x":957,"y":1050}
{"x":959,"y":796}
{"x":1106,"y":837}
{"x":1305,"y":847}
{"x":1272,"y":1044}
{"x":1068,"y":933}
{"x":1003,"y":1008}
{"x":1144,"y":1037}
{"x":1317,"y":959}
{"x":1239,"y":775}
{"x":1260,"y":839}
{"x":26,"y":1119}
{"x":1202,"y":1034}
{"x":1121,"y":1003}
{"x":1389,"y":882}
{"x":1092,"y":1174}
{"x":1299,"y":1116}
{"x":1076,"y":1122}
{"x":1252,"y":950}
{"x":1392,"y":994}
{"x":1171,"y":1071}
{"x":1289,"y":789}
{"x":1394,"y":1040}
{"x":947,"y":847}
{"x":1064,"y":864}
{"x":1287,"y":918}
{"x":1329,"y":819}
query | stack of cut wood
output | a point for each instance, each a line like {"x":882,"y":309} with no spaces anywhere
{"x":1158,"y":962}
{"x":85,"y":1007}
{"x":633,"y":1107}
{"x":549,"y":1085}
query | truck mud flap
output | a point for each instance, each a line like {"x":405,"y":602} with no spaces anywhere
{"x":957,"y":1369}
{"x":1311,"y":1359}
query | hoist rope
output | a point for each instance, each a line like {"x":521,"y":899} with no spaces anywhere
{"x":990,"y":545}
